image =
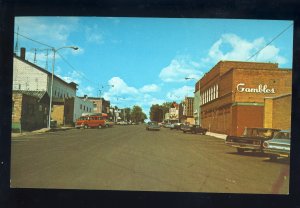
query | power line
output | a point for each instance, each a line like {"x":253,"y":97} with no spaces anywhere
{"x":75,"y":69}
{"x":270,"y":42}
{"x":33,"y":40}
{"x":57,"y":53}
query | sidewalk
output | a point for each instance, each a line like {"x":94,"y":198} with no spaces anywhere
{"x":40,"y":131}
{"x":220,"y":136}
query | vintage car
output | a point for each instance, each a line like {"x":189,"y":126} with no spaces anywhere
{"x":252,"y":139}
{"x":152,"y":125}
{"x":279,"y":145}
{"x":193,"y":129}
{"x":176,"y":126}
{"x":93,"y":121}
{"x":167,"y":125}
{"x":109,"y":123}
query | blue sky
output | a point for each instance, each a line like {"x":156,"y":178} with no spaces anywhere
{"x":147,"y":59}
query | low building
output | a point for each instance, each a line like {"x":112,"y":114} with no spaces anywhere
{"x":277,"y":112}
{"x":100,"y":105}
{"x":30,"y":110}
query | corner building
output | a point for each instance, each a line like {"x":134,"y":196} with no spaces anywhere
{"x":233,"y":94}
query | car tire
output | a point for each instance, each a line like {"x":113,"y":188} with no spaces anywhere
{"x":99,"y":127}
{"x":240,"y":150}
{"x":86,"y":126}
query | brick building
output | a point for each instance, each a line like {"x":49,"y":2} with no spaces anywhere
{"x":100,"y":105}
{"x":277,"y":111}
{"x":233,"y":94}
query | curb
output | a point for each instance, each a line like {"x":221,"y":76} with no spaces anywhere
{"x":220,"y":136}
{"x":40,"y":131}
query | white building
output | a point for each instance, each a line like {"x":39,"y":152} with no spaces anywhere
{"x":28,"y":76}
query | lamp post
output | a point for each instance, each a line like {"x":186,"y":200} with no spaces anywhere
{"x":51,"y":87}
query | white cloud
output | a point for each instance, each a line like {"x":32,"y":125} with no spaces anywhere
{"x":180,"y":93}
{"x":150,"y":88}
{"x":180,"y":68}
{"x":94,"y":35}
{"x":239,"y":49}
{"x":88,"y":90}
{"x":46,"y":30}
{"x":120,"y":87}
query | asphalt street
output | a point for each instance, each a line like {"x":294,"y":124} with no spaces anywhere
{"x":131,"y":158}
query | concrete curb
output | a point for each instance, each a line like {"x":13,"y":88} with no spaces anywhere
{"x":220,"y":136}
{"x":41,"y":131}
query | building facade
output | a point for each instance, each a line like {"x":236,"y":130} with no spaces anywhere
{"x":233,"y":94}
{"x":100,"y":105}
{"x":188,"y":110}
{"x":197,"y":102}
{"x":277,"y":112}
{"x":30,"y":77}
{"x":30,"y":110}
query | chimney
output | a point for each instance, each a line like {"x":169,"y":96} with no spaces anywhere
{"x":22,"y":54}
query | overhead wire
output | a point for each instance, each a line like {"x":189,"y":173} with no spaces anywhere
{"x":269,"y":42}
{"x":59,"y":55}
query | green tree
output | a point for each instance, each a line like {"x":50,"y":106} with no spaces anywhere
{"x":157,"y":112}
{"x":137,"y":114}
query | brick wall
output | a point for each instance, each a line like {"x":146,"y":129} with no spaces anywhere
{"x":278,"y":112}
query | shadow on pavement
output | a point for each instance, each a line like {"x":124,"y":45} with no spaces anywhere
{"x":249,"y":154}
{"x":281,"y":160}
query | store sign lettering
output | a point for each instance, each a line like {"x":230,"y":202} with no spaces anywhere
{"x":260,"y":89}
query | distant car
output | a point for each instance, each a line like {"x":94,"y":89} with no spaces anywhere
{"x":109,"y":123}
{"x":176,"y":126}
{"x":193,"y":129}
{"x":152,"y":126}
{"x":122,"y":123}
{"x":168,"y":125}
{"x":279,"y":145}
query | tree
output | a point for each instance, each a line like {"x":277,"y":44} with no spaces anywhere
{"x":137,"y":114}
{"x":157,"y":112}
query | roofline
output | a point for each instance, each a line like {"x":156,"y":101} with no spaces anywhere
{"x":44,"y":70}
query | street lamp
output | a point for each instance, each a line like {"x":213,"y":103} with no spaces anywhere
{"x":51,"y":88}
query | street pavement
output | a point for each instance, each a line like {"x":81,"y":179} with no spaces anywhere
{"x":131,"y":158}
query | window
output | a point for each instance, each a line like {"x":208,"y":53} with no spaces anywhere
{"x":80,"y":106}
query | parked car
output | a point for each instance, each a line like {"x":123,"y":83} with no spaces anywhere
{"x":279,"y":145}
{"x":193,"y":129}
{"x":152,"y":126}
{"x":176,"y":126}
{"x":109,"y":123}
{"x":122,"y":123}
{"x":167,"y":125}
{"x":252,"y":139}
